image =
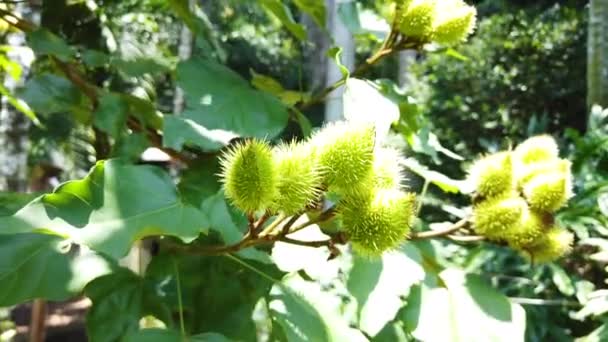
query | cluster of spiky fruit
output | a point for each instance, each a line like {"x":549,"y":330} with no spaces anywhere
{"x":341,"y":159}
{"x":518,"y":193}
{"x":442,"y":21}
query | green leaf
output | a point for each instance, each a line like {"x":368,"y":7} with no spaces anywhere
{"x":334,"y":53}
{"x":314,"y":8}
{"x":466,"y":309}
{"x":120,"y":300}
{"x":562,"y":280}
{"x":94,"y":58}
{"x":19,"y":105}
{"x":442,"y":181}
{"x":272,"y":86}
{"x":111,"y":114}
{"x":44,"y":42}
{"x":10,"y":202}
{"x":218,"y":293}
{"x":37,"y":266}
{"x":115,"y":205}
{"x":162,"y":335}
{"x":179,"y":131}
{"x":219,"y":99}
{"x":130,"y":147}
{"x":282,"y":12}
{"x":141,"y":66}
{"x":378,"y":285}
{"x":48,"y":93}
{"x":304,"y":313}
{"x":598,"y":335}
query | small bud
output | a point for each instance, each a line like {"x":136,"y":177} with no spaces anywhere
{"x":298,"y":178}
{"x":418,"y":18}
{"x":380,"y":224}
{"x":537,"y":149}
{"x":454,"y":22}
{"x":496,"y":218}
{"x":493,"y":175}
{"x":249,"y":175}
{"x":556,"y":243}
{"x":387,"y":171}
{"x":548,"y":192}
{"x":345,"y":153}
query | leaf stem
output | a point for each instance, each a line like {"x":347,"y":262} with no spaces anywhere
{"x":440,"y":232}
{"x":180,"y":304}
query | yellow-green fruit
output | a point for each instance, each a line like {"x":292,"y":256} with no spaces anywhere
{"x":492,"y":175}
{"x":496,"y":218}
{"x":531,"y":228}
{"x":249,"y":175}
{"x":537,"y":149}
{"x":387,"y":171}
{"x":380,"y":224}
{"x":298,"y":178}
{"x":525,"y":172}
{"x":555,"y":243}
{"x":345,"y":152}
{"x":454,"y":21}
{"x":418,"y":18}
{"x":548,"y":192}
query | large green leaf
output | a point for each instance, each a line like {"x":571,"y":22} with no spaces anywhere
{"x":379,"y":285}
{"x":219,"y":99}
{"x":44,"y":42}
{"x":162,"y":335}
{"x":219,"y":293}
{"x":11,"y":202}
{"x":304,"y":312}
{"x":120,"y":300}
{"x":115,"y":205}
{"x":48,"y":93}
{"x":37,"y":266}
{"x":466,"y":309}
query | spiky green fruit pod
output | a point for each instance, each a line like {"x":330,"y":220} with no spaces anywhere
{"x":555,"y":243}
{"x":540,"y":148}
{"x":496,"y":218}
{"x":548,"y":192}
{"x":417,"y":20}
{"x":249,"y":175}
{"x":532,"y":227}
{"x":454,"y":22}
{"x":387,"y":170}
{"x":380,"y":224}
{"x":345,"y":153}
{"x":298,"y":178}
{"x":526,"y":172}
{"x":492,"y":175}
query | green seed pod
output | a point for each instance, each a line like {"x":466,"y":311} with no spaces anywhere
{"x":249,"y":175}
{"x":531,"y":228}
{"x":298,"y":178}
{"x":418,"y":18}
{"x":492,"y":176}
{"x":345,"y":152}
{"x":548,"y":192}
{"x":555,"y":243}
{"x":454,"y":22}
{"x":387,"y":171}
{"x":537,"y":149}
{"x":380,"y":224}
{"x":496,"y":218}
{"x":526,"y":172}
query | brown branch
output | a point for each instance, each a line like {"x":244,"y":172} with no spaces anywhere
{"x":440,"y":232}
{"x":321,"y":243}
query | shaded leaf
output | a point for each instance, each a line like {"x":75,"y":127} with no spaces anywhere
{"x":94,"y":58}
{"x":282,"y":12}
{"x":314,"y":8}
{"x":44,"y":42}
{"x":48,"y":93}
{"x":179,"y":131}
{"x":115,"y":205}
{"x":19,"y":105}
{"x":162,"y":335}
{"x":141,"y":66}
{"x":37,"y":266}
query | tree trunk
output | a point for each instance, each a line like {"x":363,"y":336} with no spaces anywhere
{"x":334,"y":109}
{"x":597,"y":54}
